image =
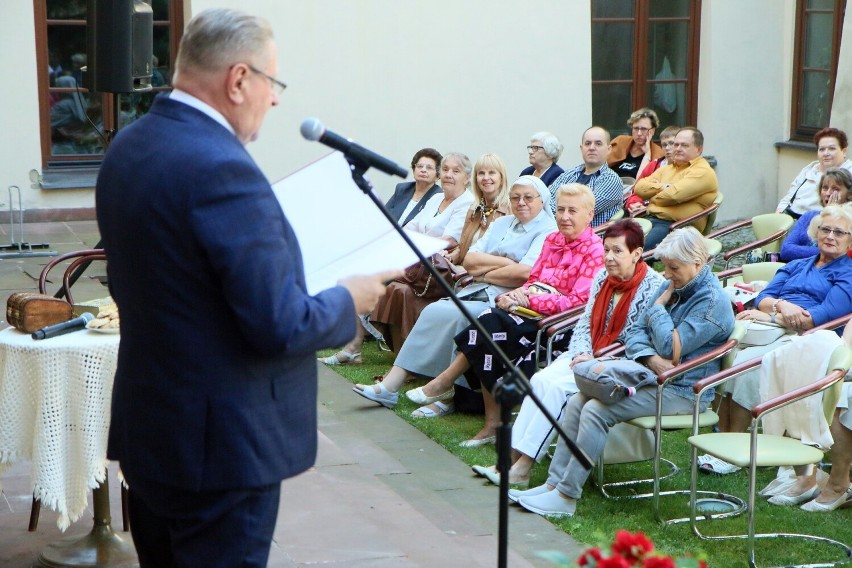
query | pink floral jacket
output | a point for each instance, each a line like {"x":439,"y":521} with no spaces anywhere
{"x":570,"y":267}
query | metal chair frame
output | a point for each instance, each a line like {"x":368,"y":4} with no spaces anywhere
{"x":660,"y":422}
{"x":839,"y":365}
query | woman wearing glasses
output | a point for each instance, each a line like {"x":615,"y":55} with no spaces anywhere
{"x":544,"y":150}
{"x":631,"y":153}
{"x":398,"y":310}
{"x":804,"y":293}
{"x":410,"y":197}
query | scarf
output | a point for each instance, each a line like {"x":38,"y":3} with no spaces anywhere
{"x":605,"y":335}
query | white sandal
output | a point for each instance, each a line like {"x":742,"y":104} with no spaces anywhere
{"x":426,"y":412}
{"x":342,"y":357}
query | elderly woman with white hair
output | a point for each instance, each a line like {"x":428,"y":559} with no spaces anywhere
{"x":691,"y":306}
{"x":804,"y":293}
{"x":544,"y":151}
{"x":498,"y":262}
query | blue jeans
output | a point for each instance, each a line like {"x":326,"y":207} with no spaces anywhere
{"x":659,"y":229}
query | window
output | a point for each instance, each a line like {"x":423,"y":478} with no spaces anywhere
{"x":73,"y":120}
{"x":644,"y":54}
{"x":818,"y":30}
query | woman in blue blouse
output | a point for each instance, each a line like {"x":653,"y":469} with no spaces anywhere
{"x":835,"y":188}
{"x":544,"y":151}
{"x":805,"y":293}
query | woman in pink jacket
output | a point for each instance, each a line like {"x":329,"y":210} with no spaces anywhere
{"x":560,"y":280}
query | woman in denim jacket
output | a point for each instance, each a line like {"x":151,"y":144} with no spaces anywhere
{"x":691,"y":303}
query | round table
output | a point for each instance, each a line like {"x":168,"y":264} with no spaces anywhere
{"x":55,"y":399}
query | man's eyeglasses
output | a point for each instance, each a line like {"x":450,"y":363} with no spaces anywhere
{"x":526,"y":198}
{"x":276,"y":85}
{"x":535,"y":148}
{"x":825,"y":231}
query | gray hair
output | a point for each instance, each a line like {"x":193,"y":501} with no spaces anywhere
{"x":686,"y":246}
{"x":552,"y":146}
{"x":842,"y":212}
{"x":217,"y":38}
{"x":464,"y":160}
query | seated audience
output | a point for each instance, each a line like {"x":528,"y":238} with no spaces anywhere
{"x":442,"y":216}
{"x":803,"y":195}
{"x":635,"y":204}
{"x":605,"y":184}
{"x":683,"y":188}
{"x":803,"y":294}
{"x":618,"y":296}
{"x":835,"y":188}
{"x":397,"y":311}
{"x":498,"y":262}
{"x":410,"y":197}
{"x":630,"y":153}
{"x":560,"y":280}
{"x":544,"y":151}
{"x":692,"y":304}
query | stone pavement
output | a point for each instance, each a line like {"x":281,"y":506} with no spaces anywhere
{"x":380,"y":494}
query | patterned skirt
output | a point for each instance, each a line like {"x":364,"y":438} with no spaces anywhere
{"x":514,"y":335}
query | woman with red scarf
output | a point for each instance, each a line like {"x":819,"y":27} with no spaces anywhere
{"x":618,"y":295}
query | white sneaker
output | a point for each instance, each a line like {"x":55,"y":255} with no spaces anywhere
{"x":515,"y":494}
{"x":550,"y":503}
{"x":712,"y":464}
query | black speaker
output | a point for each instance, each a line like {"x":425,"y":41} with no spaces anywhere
{"x":119,"y":46}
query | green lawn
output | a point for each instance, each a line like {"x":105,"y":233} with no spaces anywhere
{"x":598,"y":518}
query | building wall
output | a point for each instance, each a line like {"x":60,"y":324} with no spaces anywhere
{"x":475,"y":76}
{"x":743,"y":100}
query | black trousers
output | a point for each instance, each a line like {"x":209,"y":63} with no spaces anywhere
{"x":175,"y":528}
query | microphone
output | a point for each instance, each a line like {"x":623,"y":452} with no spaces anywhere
{"x":64,"y":327}
{"x":314,"y":130}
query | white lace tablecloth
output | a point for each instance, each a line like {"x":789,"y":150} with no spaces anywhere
{"x":54,"y":410}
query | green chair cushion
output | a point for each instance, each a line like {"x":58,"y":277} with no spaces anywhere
{"x":676,"y":421}
{"x":772,"y":451}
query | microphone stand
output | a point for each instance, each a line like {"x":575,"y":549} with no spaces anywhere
{"x":508,"y":392}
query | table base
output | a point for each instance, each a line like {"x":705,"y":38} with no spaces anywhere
{"x":100,"y":548}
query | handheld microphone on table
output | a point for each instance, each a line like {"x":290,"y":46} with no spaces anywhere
{"x":314,"y":130}
{"x":64,"y":327}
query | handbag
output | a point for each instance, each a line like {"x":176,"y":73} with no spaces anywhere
{"x":421,"y":280}
{"x":612,"y":379}
{"x":762,"y":333}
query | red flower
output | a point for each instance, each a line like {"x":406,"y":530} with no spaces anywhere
{"x":614,"y":562}
{"x":658,"y":562}
{"x":633,"y":546}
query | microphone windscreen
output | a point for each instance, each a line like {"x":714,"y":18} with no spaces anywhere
{"x":87,"y":316}
{"x":312,"y":129}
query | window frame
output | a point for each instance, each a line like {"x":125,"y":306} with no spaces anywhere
{"x":639,"y":82}
{"x":798,"y":130}
{"x":49,"y":161}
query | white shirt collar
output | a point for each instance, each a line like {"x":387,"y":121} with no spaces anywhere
{"x":198,"y":104}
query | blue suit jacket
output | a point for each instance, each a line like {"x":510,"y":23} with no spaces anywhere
{"x":216,"y":381}
{"x":402,"y":195}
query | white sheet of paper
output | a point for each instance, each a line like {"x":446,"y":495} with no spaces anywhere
{"x":340,"y":230}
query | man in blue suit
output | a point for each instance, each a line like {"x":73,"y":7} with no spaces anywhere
{"x":214,"y":400}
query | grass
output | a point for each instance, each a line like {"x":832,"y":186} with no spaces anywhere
{"x":598,"y":518}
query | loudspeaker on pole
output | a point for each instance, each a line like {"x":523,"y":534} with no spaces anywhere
{"x":119,"y":46}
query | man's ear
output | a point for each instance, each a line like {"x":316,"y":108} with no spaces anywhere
{"x":235,"y":82}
